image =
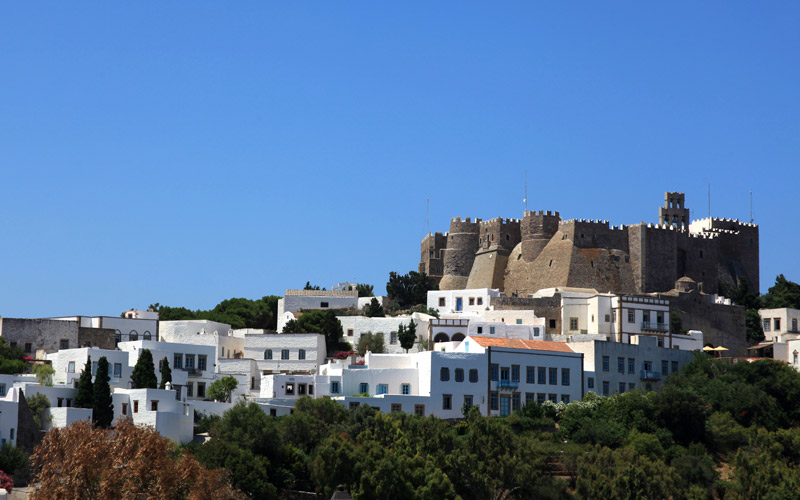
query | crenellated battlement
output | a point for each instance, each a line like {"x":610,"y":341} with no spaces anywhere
{"x":500,"y":220}
{"x":546,"y":213}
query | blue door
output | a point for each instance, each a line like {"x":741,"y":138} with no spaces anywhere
{"x":459,"y":304}
{"x":505,"y":405}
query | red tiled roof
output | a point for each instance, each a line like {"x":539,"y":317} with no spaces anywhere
{"x":539,"y":345}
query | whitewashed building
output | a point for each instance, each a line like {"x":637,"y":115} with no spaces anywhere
{"x":780,"y":325}
{"x":354,"y":327}
{"x":68,"y":364}
{"x":203,"y":332}
{"x":162,"y":410}
{"x":297,"y":300}
{"x":461,"y":301}
{"x":286,"y":352}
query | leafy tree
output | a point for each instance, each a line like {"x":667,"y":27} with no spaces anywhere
{"x":742,"y":294}
{"x":374,"y":309}
{"x":422,"y":308}
{"x":783,"y":293}
{"x":407,"y":335}
{"x":309,"y":286}
{"x":12,"y":458}
{"x":317,"y":321}
{"x":374,"y":341}
{"x":82,"y":461}
{"x":410,"y":289}
{"x":11,"y":359}
{"x":44,"y":374}
{"x":103,"y":409}
{"x":221,"y":389}
{"x":144,"y":372}
{"x":85,"y":396}
{"x":755,"y":331}
{"x":364,"y":290}
{"x":38,"y":403}
{"x":166,"y":373}
{"x":623,"y":474}
{"x":676,"y":323}
{"x":237,"y":312}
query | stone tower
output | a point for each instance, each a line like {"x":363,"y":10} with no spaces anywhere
{"x":496,"y":240}
{"x":537,"y":229}
{"x":462,"y":243}
{"x":674,"y":213}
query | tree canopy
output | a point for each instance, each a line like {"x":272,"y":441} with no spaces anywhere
{"x":11,"y":359}
{"x":318,"y":321}
{"x":237,"y":312}
{"x":85,"y":396}
{"x":407,"y":335}
{"x":408,"y":290}
{"x":102,"y":405}
{"x":221,"y":389}
{"x":374,"y":309}
{"x":143,"y":375}
{"x":374,"y":341}
{"x":783,"y":293}
{"x":166,"y":373}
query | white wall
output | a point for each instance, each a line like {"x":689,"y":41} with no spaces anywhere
{"x":312,"y":343}
{"x":472,"y":300}
{"x":355,"y":326}
{"x":69,"y":363}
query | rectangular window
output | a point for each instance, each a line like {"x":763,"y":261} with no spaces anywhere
{"x":349,"y":332}
{"x":542,"y":375}
{"x":2,"y":389}
{"x":631,"y":386}
{"x":284,"y":353}
{"x":153,"y":405}
{"x":565,"y":376}
{"x":777,"y":324}
{"x":268,"y":354}
{"x":573,"y":324}
{"x":646,"y":316}
{"x":664,"y":368}
{"x":301,"y":389}
{"x":444,"y":374}
{"x":480,"y":301}
{"x":495,"y":370}
{"x":94,"y":368}
{"x":515,"y":401}
{"x":605,"y":387}
{"x":674,"y":366}
{"x":606,"y":362}
{"x":382,"y":389}
{"x":530,"y":375}
{"x":767,"y":323}
{"x":190,"y":389}
{"x":473,"y":375}
{"x":177,"y":361}
{"x":289,"y":390}
{"x":405,"y":388}
{"x":631,"y":365}
{"x":467,"y":401}
{"x":519,"y":321}
{"x":190,"y":361}
{"x":363,"y":388}
{"x":301,"y":354}
{"x":117,"y":370}
{"x":553,"y":376}
{"x":201,"y":389}
{"x":552,"y":323}
{"x":419,"y":410}
{"x":491,"y":330}
{"x":529,"y":397}
{"x":354,"y":405}
{"x":614,"y":316}
{"x":397,"y":407}
{"x":124,"y":408}
{"x":607,"y":318}
{"x":323,"y":305}
{"x":631,"y":316}
{"x":71,"y":367}
{"x":472,"y":301}
{"x":135,"y":406}
{"x":515,"y":373}
{"x":335,"y":387}
{"x":447,"y":401}
{"x":540,"y":397}
{"x":621,"y":387}
{"x":565,"y":398}
{"x":794,"y":324}
{"x":441,"y":302}
{"x":590,"y":382}
{"x":63,"y":344}
{"x":493,"y":401}
{"x":621,"y":365}
{"x":393,"y":338}
{"x":202,"y":362}
{"x":480,"y":329}
{"x":459,"y":374}
{"x":553,"y":398}
{"x":28,"y":347}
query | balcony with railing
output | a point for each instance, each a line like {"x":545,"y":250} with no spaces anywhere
{"x":650,"y":375}
{"x":655,"y":327}
{"x":194,"y":372}
{"x":507,"y":384}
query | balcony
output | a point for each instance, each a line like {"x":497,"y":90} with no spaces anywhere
{"x":650,"y":375}
{"x":194,"y":372}
{"x":655,"y":327}
{"x":507,"y":384}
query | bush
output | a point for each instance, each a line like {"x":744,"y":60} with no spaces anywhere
{"x":6,"y":482}
{"x":12,"y":458}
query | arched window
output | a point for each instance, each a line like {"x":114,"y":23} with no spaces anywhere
{"x":441,"y":337}
{"x":268,"y":354}
{"x":133,"y":336}
{"x":457,"y":337}
{"x":117,"y":336}
{"x":146,"y":336}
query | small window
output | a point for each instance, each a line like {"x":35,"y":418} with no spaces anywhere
{"x":177,"y":361}
{"x":777,"y":324}
{"x":553,"y":376}
{"x":621,"y":387}
{"x":117,"y":370}
{"x":202,"y":362}
{"x":573,"y":324}
{"x":153,"y":405}
{"x":419,"y":410}
{"x":515,"y":373}
{"x":565,"y":398}
{"x":519,"y":321}
{"x":472,"y":301}
{"x":607,"y":318}
{"x":441,"y":300}
{"x":540,"y":398}
{"x":480,"y":301}
{"x":334,"y":387}
{"x":2,"y":389}
{"x":28,"y":347}
{"x":491,"y":330}
{"x":349,"y":332}
{"x":480,"y":329}
{"x":393,"y":338}
{"x":190,"y":361}
{"x":606,"y":363}
{"x":289,"y":389}
{"x":190,"y":389}
{"x":493,"y":401}
{"x":323,"y":305}
{"x":542,"y":375}
{"x":447,"y":401}
{"x":631,"y":316}
{"x":201,"y":389}
{"x":459,"y":374}
{"x":147,"y":336}
{"x":621,"y":365}
{"x":767,"y":323}
{"x":397,"y":407}
{"x":124,"y":408}
{"x":494,"y":372}
{"x":301,"y":354}
{"x":135,"y":406}
{"x":363,"y":388}
{"x":63,"y":344}
{"x":565,"y":376}
{"x":285,"y":354}
{"x":467,"y":401}
{"x":631,"y":365}
{"x":674,"y":366}
{"x":382,"y":389}
{"x":444,"y":374}
{"x":268,"y":354}
{"x":473,"y":375}
{"x":552,"y":323}
{"x":354,"y":405}
{"x":301,"y":389}
{"x":606,"y":387}
{"x":530,"y":375}
{"x":590,"y":382}
{"x":405,"y":388}
{"x":71,"y":367}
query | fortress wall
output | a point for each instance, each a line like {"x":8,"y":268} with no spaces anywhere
{"x":432,"y":255}
{"x":462,"y":243}
{"x":536,"y":230}
{"x":595,"y":234}
{"x":697,"y":258}
{"x":499,"y":233}
{"x":660,"y":258}
{"x":488,"y":269}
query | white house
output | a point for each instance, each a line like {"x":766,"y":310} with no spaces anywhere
{"x":156,"y":408}
{"x":286,"y":352}
{"x":203,"y":332}
{"x":68,"y":364}
{"x":616,"y":367}
{"x":780,"y":324}
{"x":355,"y":326}
{"x":511,"y":331}
{"x":297,"y":300}
{"x":9,"y":410}
{"x":460,"y":301}
{"x":524,"y":371}
{"x":193,"y":366}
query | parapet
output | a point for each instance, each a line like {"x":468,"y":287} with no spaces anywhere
{"x":542,"y":212}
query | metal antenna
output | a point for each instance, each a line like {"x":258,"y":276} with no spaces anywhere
{"x":525,"y":200}
{"x":751,"y":206}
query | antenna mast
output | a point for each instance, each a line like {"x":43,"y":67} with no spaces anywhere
{"x":525,"y":200}
{"x":751,"y":206}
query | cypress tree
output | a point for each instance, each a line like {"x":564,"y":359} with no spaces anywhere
{"x":103,"y":409}
{"x":144,"y":373}
{"x":85,"y":397}
{"x":166,"y":373}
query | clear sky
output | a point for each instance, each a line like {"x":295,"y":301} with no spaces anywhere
{"x":188,"y":152}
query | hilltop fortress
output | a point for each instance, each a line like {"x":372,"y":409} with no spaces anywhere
{"x":542,"y":251}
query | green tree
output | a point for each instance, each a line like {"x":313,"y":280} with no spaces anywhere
{"x":408,"y":290}
{"x":374,"y":341}
{"x":374,"y":309}
{"x":317,"y":321}
{"x":166,"y":373}
{"x":309,"y":286}
{"x":38,"y":403}
{"x":44,"y":374}
{"x":11,"y":359}
{"x":624,"y":475}
{"x":144,"y":372}
{"x":364,"y":290}
{"x":407,"y":335}
{"x":783,"y":293}
{"x":676,"y":323}
{"x":12,"y":458}
{"x":103,"y":409}
{"x":85,"y":396}
{"x":755,"y":332}
{"x":221,"y":389}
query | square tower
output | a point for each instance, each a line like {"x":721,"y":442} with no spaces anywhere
{"x":674,"y":212}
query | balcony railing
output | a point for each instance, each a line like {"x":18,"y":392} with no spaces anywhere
{"x":508,"y":384}
{"x":650,"y":375}
{"x":194,"y":372}
{"x":655,"y":327}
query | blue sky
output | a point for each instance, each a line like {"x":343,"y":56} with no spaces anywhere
{"x":188,"y":152}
